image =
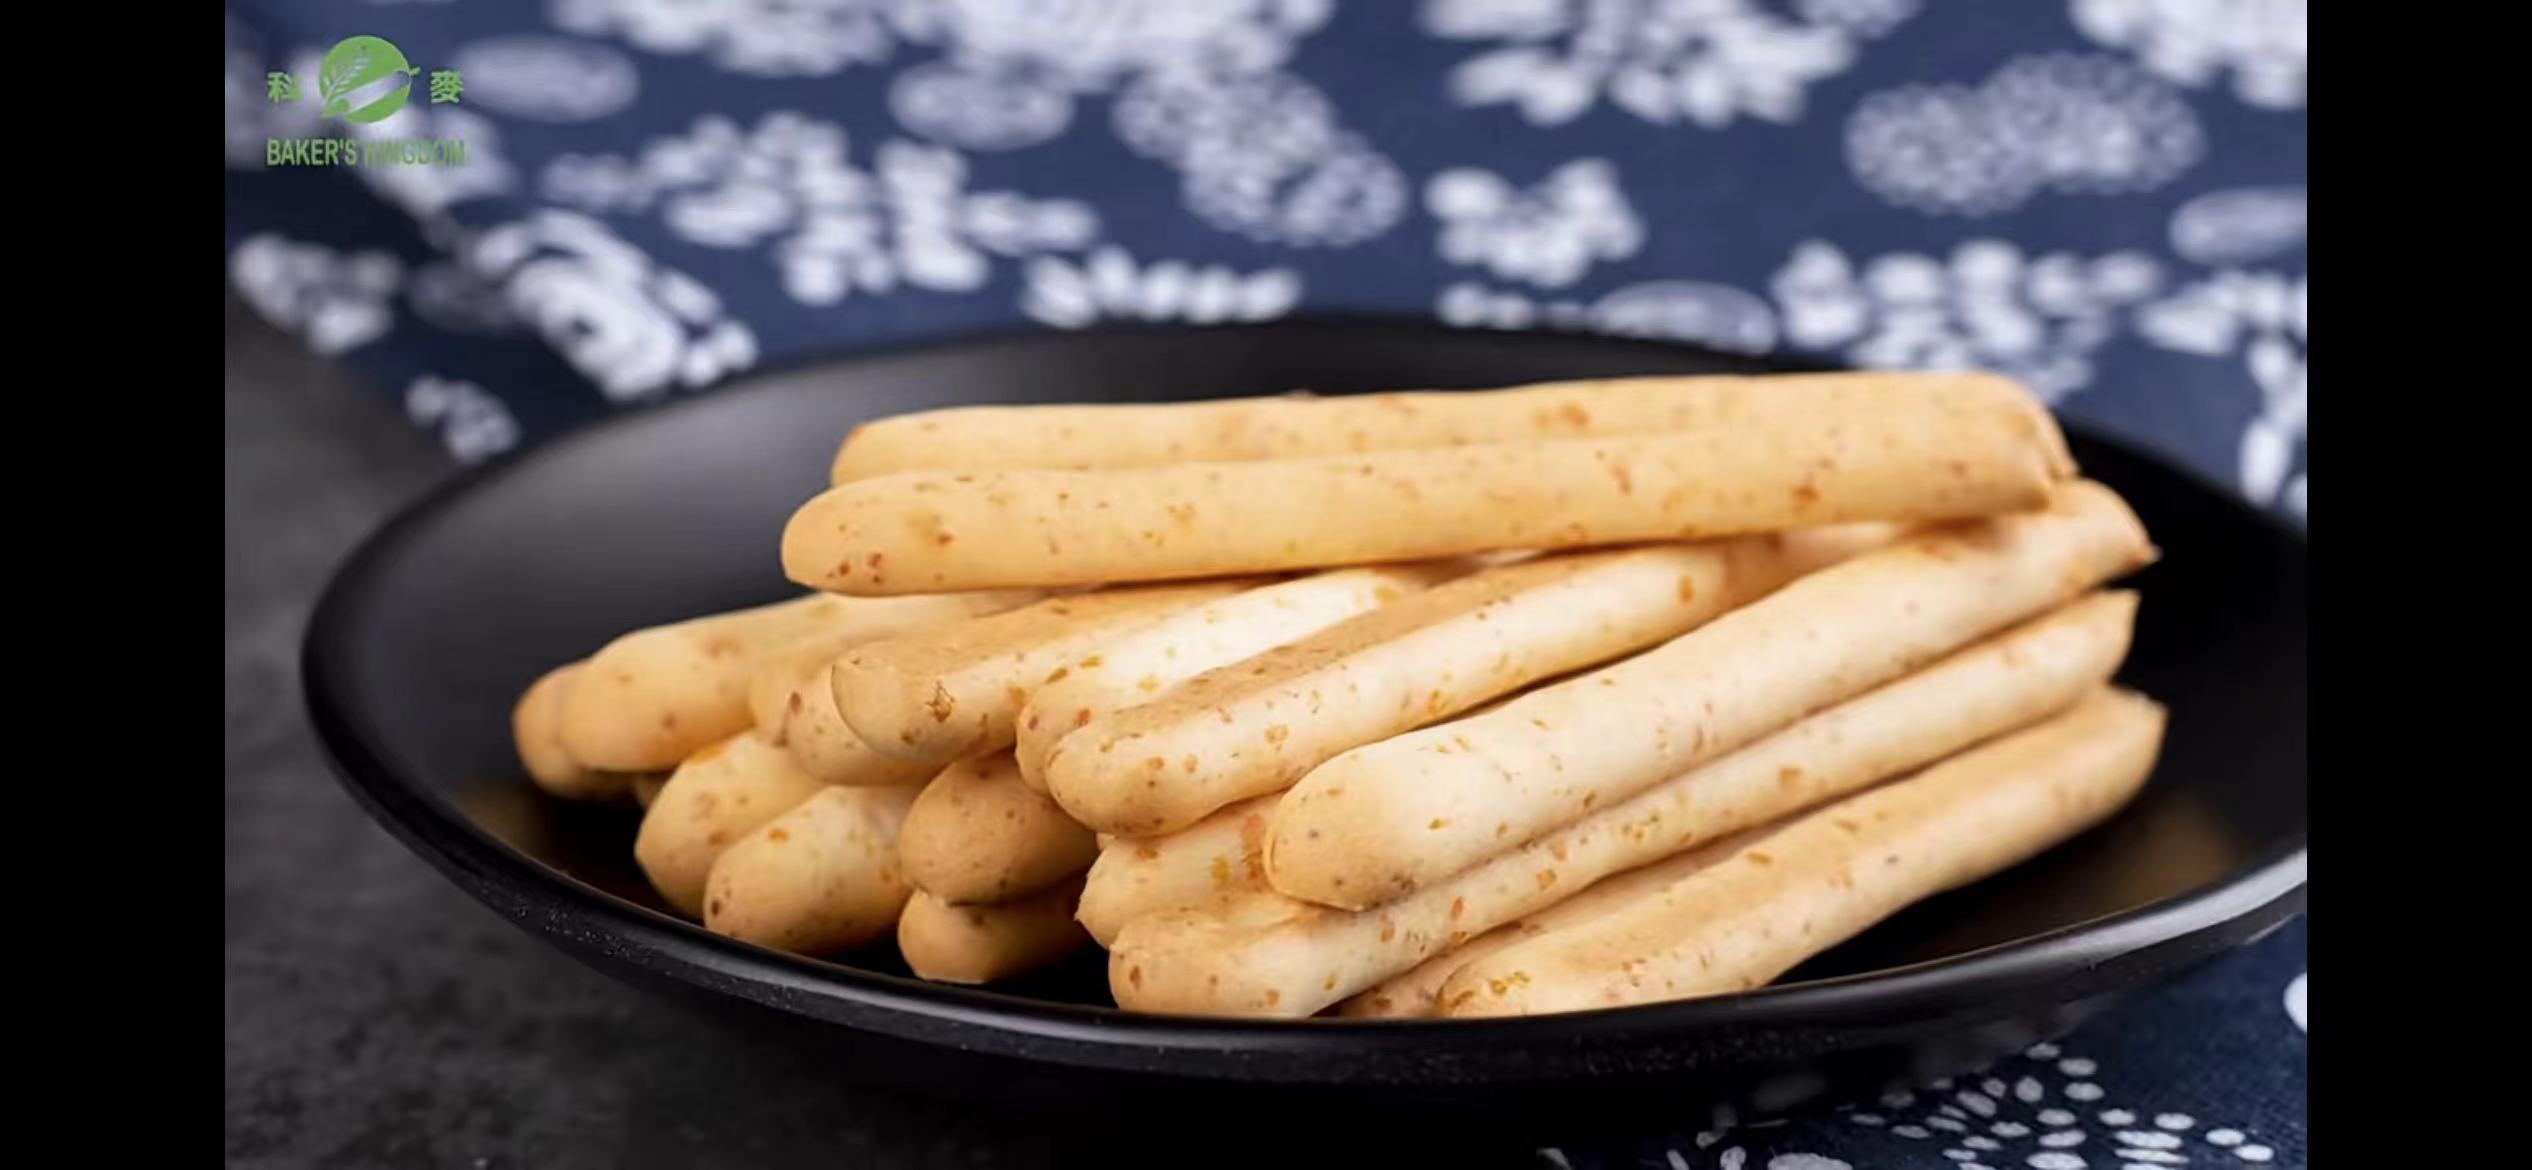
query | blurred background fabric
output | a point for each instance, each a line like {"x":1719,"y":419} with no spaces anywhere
{"x":2104,"y":198}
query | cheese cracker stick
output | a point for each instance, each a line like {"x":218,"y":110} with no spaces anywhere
{"x":820,"y":878}
{"x":977,"y":834}
{"x":921,"y":531}
{"x":1265,"y":954}
{"x":956,"y":690}
{"x":976,"y":438}
{"x":536,"y":728}
{"x":987,"y":944}
{"x":1256,"y":726}
{"x":793,"y":700}
{"x":779,"y":673}
{"x":1137,"y":666}
{"x":1826,"y":877}
{"x":824,"y":745}
{"x":653,"y":697}
{"x":717,"y":796}
{"x":1386,"y":819}
{"x":1221,"y":854}
{"x":1415,"y":992}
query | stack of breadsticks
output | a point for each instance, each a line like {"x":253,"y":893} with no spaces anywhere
{"x":1506,"y":702}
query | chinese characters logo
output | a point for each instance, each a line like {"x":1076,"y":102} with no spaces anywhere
{"x":363,"y":80}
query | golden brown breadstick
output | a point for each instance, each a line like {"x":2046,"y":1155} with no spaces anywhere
{"x":793,"y":698}
{"x":977,"y":438}
{"x":1223,"y":853}
{"x":655,"y":696}
{"x":1138,"y":665}
{"x":956,"y":690}
{"x":1386,"y":819}
{"x":986,"y":944}
{"x":1824,"y":878}
{"x":824,"y":745}
{"x":717,"y":796}
{"x":782,"y":671}
{"x":921,"y":531}
{"x":977,"y":834}
{"x":1266,"y":954}
{"x":1417,"y":991}
{"x":1254,"y":727}
{"x":536,"y":727}
{"x":820,"y":878}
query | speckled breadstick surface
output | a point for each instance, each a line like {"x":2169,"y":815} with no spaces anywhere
{"x":1224,"y":853}
{"x":820,"y":878}
{"x":1257,"y":953}
{"x":1742,"y":922}
{"x":977,"y":834}
{"x":1254,"y":727}
{"x":1389,"y":818}
{"x":989,"y":943}
{"x":1137,"y":666}
{"x":956,"y":690}
{"x":1417,"y":992}
{"x":720,"y":794}
{"x":925,"y":531}
{"x":975,"y":438}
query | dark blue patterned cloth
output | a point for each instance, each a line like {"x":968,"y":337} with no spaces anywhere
{"x":2104,"y":198}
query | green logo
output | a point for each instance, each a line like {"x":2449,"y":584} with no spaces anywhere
{"x":355,"y":62}
{"x":349,"y":86}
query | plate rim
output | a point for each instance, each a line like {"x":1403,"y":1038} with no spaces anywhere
{"x":2171,"y":933}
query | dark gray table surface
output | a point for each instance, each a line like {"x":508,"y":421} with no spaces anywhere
{"x":376,"y":1016}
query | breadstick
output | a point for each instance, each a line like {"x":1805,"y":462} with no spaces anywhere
{"x":1266,"y":954}
{"x":717,"y":796}
{"x":1389,"y":818}
{"x":793,"y":700}
{"x":1137,"y":666}
{"x":536,"y":727}
{"x":1416,"y":992}
{"x":977,"y":834}
{"x":987,"y":944}
{"x":824,"y":745}
{"x":956,"y":690}
{"x":820,"y":878}
{"x":920,"y":531}
{"x":1254,"y":727}
{"x":655,"y":696}
{"x":1221,"y":854}
{"x":977,"y":438}
{"x":780,"y":672}
{"x":646,"y":787}
{"x":1824,"y":878}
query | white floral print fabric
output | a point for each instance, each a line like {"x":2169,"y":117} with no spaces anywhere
{"x":2259,"y":44}
{"x":1701,"y":62}
{"x":1984,"y":305}
{"x":1198,"y":85}
{"x":473,"y":424}
{"x":335,"y":300}
{"x":636,"y":329}
{"x":2054,"y":123}
{"x":832,"y":227}
{"x":1547,"y":235}
{"x":1110,"y":286}
{"x":548,"y":79}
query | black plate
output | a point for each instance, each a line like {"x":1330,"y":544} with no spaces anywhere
{"x":432,"y":628}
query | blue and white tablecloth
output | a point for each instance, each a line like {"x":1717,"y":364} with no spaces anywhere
{"x":2104,"y":198}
